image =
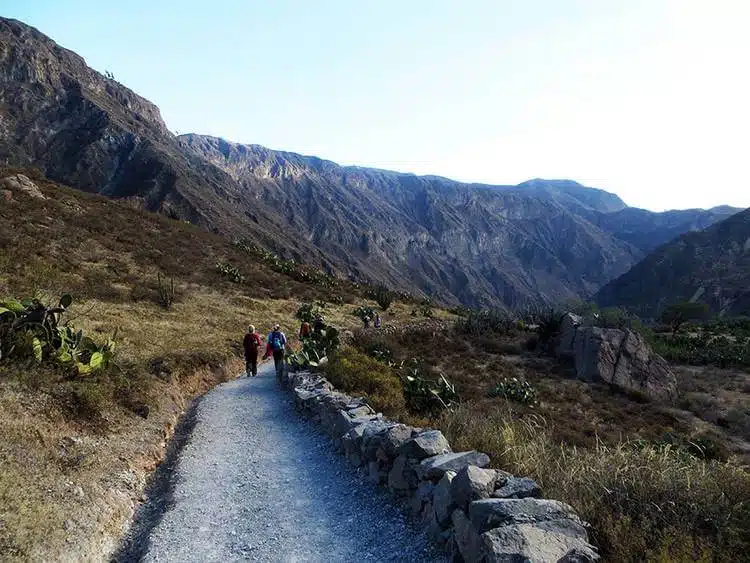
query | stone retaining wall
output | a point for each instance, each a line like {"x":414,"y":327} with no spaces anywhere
{"x":476,"y":514}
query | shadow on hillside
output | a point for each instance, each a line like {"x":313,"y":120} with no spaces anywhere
{"x":159,"y":492}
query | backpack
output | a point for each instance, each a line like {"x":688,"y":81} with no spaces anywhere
{"x":254,"y":342}
{"x":276,"y":342}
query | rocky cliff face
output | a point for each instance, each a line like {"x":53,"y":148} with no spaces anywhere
{"x":710,"y":266}
{"x":457,"y":241}
{"x":473,"y":244}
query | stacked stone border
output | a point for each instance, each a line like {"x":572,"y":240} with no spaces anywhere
{"x":474,"y":513}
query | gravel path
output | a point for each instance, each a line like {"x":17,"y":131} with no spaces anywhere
{"x":256,"y":482}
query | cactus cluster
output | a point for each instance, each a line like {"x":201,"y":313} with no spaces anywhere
{"x":363,"y":312}
{"x":308,"y":312}
{"x":315,"y":348}
{"x":382,"y":296}
{"x":514,"y":389}
{"x":231,"y":272}
{"x":300,"y":272}
{"x":425,"y":395}
{"x":30,"y":329}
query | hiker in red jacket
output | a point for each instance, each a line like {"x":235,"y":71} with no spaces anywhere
{"x":252,"y":345}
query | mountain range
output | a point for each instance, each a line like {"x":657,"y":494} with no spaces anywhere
{"x":711,"y":266}
{"x":542,"y":241}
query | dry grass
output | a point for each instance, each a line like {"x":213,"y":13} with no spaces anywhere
{"x":353,"y":371}
{"x":630,"y":467}
{"x":645,"y":502}
{"x":61,"y":436}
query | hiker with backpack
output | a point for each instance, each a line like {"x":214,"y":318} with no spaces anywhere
{"x":276,"y":347}
{"x":252,"y":344}
{"x":304,"y":330}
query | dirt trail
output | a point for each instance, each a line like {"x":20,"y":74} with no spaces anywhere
{"x":253,"y":481}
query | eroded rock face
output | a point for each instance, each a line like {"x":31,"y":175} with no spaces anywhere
{"x":22,"y":184}
{"x":620,"y":357}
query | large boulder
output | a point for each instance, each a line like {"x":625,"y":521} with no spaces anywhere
{"x":402,"y":476}
{"x":435,"y":467}
{"x":493,"y":513}
{"x":21,"y":183}
{"x":518,"y":487}
{"x":442,"y":500}
{"x":472,"y":483}
{"x":385,"y":444}
{"x":467,"y":540}
{"x":528,"y":542}
{"x":426,"y":444}
{"x":622,"y":358}
{"x":565,"y":345}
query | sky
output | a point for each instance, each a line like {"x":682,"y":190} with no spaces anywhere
{"x":649,"y":99}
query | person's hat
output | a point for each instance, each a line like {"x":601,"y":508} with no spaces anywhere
{"x":276,"y":327}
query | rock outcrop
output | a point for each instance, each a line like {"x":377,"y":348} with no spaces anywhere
{"x":21,"y":184}
{"x":477,"y":514}
{"x":620,"y":357}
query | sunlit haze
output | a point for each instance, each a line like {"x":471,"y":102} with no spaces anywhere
{"x":647,"y":99}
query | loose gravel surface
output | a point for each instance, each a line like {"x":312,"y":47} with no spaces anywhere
{"x":254,"y":481}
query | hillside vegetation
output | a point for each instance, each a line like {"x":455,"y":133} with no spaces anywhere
{"x":657,"y":482}
{"x":76,"y":448}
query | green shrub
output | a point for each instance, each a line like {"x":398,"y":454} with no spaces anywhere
{"x":165,"y":292}
{"x":352,"y":371}
{"x":231,"y":272}
{"x":514,"y":389}
{"x":363,"y":311}
{"x":31,"y":330}
{"x":308,"y":312}
{"x":682,"y":312}
{"x":703,"y":349}
{"x":548,"y":322}
{"x":484,"y":321}
{"x":382,"y":296}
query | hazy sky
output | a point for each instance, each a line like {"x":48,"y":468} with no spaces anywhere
{"x":648,"y":99}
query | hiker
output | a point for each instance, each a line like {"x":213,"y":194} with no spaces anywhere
{"x":304,"y":330}
{"x":366,"y":321}
{"x":319,"y":324}
{"x":377,"y":320}
{"x":276,"y":346}
{"x":251,"y":343}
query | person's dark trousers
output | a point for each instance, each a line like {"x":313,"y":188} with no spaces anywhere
{"x":278,"y":362}
{"x":251,"y":365}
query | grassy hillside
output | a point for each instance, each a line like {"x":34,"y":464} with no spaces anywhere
{"x":75,"y":450}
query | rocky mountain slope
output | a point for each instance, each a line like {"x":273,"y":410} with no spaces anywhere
{"x":711,"y":266}
{"x":460,"y":243}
